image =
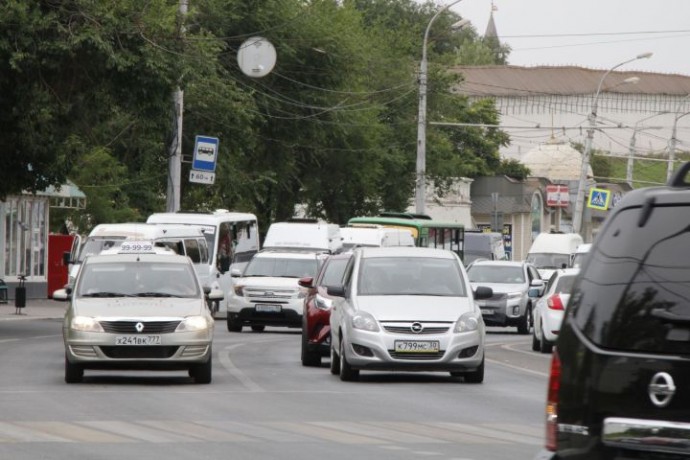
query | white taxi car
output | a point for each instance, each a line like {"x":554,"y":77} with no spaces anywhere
{"x":141,"y":308}
{"x":407,"y":309}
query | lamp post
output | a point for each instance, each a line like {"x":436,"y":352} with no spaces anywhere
{"x":632,"y":149}
{"x":673,"y":140}
{"x":420,"y":182}
{"x":592,"y":118}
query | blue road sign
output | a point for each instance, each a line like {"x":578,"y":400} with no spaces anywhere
{"x":205,"y":153}
{"x":599,"y":198}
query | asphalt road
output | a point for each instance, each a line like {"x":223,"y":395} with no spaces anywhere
{"x":263,"y":404}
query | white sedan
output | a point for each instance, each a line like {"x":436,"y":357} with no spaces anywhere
{"x":550,"y":309}
{"x":407,"y":309}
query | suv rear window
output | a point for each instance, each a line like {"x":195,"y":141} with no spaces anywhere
{"x":634,"y":292}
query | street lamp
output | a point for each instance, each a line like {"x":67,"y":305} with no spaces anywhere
{"x":673,"y":140}
{"x":420,"y":182}
{"x":579,"y":202}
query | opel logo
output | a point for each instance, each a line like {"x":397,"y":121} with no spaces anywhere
{"x":661,"y":389}
{"x":139,"y":327}
{"x":416,"y":328}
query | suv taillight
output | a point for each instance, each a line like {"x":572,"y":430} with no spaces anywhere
{"x":554,"y":302}
{"x":552,"y":402}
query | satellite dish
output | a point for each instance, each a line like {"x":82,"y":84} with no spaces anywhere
{"x":256,"y":57}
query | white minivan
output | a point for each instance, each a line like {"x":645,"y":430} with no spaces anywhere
{"x":551,"y":251}
{"x":377,"y":236}
{"x":182,"y":239}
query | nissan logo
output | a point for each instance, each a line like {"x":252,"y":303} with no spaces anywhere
{"x":416,"y":328}
{"x":139,"y":327}
{"x":661,"y":389}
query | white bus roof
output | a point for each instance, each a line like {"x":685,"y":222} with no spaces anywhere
{"x":143,"y":231}
{"x":193,"y":218}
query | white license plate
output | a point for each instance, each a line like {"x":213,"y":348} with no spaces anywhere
{"x":138,"y":340}
{"x":417,"y":346}
{"x":487,"y":311}
{"x":269,"y":308}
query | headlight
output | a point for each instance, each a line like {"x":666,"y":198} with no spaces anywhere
{"x":365,"y":322}
{"x":323,"y":303}
{"x":192,"y":324}
{"x":514,"y":295}
{"x":239,"y":290}
{"x":468,"y":322}
{"x":85,"y":324}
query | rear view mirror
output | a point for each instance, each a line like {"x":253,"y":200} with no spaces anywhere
{"x":236,"y":273}
{"x":483,"y":292}
{"x":306,"y":282}
{"x":336,"y":291}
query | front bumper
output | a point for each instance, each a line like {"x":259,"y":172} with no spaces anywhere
{"x":504,"y":312}
{"x":458,"y":352}
{"x":266,"y":311}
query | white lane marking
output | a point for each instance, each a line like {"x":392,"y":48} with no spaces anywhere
{"x":492,"y":433}
{"x":71,"y":432}
{"x":517,"y":368}
{"x":226,"y":362}
{"x":377,"y":431}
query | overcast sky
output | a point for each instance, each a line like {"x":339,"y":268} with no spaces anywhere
{"x":596,"y":34}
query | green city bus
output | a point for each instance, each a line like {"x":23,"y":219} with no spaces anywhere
{"x":426,"y":231}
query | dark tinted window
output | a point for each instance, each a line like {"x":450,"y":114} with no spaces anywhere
{"x":333,"y":273}
{"x":193,"y":250}
{"x":635,"y":293}
{"x":564,"y":283}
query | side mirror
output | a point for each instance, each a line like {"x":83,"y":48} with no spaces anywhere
{"x":62,"y":294}
{"x":483,"y":292}
{"x":236,"y":273}
{"x":306,"y":282}
{"x":224,"y":264}
{"x":336,"y":291}
{"x":214,"y":294}
{"x":534,"y":293}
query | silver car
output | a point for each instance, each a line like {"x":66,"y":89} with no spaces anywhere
{"x":406,"y":309}
{"x":138,"y":311}
{"x":515,"y":285}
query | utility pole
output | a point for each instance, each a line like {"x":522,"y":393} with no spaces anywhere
{"x":175,"y":159}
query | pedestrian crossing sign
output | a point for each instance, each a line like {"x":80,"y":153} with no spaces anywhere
{"x":599,"y":198}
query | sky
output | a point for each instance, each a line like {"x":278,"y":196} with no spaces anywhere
{"x":597,"y":34}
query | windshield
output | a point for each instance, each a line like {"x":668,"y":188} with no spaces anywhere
{"x":410,"y":276}
{"x":94,"y":246}
{"x":281,"y":267}
{"x":548,"y":260}
{"x":496,"y":274}
{"x":124,"y":279}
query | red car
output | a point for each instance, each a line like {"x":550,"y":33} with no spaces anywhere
{"x":316,"y":329}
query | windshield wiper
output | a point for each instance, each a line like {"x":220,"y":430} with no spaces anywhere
{"x":155,"y":294}
{"x":106,"y":294}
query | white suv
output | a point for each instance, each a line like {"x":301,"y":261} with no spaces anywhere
{"x":267,"y":293}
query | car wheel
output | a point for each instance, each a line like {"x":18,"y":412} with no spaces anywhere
{"x":525,"y":321}
{"x":544,"y":345}
{"x":74,"y":373}
{"x":258,"y":328}
{"x":233,"y":325}
{"x":335,"y":362}
{"x":202,"y":372}
{"x":476,"y":376}
{"x":535,"y":340}
{"x":347,"y":373}
{"x":309,"y":359}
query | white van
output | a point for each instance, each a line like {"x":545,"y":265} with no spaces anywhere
{"x":182,"y":239}
{"x":551,"y":251}
{"x":483,"y":245}
{"x":580,"y":254}
{"x":376,"y":236}
{"x":310,"y":236}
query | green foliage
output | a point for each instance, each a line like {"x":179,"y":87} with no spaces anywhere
{"x":514,"y":169}
{"x":87,"y":90}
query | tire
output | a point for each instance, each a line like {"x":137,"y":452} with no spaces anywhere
{"x":202,"y":373}
{"x":347,"y":373}
{"x":544,"y":345}
{"x":258,"y":328}
{"x":535,"y":340}
{"x":525,"y":323}
{"x":335,"y":362}
{"x":476,"y":376}
{"x":74,"y":373}
{"x":309,"y":358}
{"x":233,"y":326}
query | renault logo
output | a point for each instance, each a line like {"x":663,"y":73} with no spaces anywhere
{"x":139,"y":327}
{"x":661,"y":389}
{"x":416,"y":328}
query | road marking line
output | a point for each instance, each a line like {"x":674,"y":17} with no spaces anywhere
{"x":326,"y":434}
{"x":226,"y":362}
{"x":73,"y":432}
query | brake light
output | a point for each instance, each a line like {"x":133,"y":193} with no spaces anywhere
{"x":552,"y":402}
{"x":554,"y":302}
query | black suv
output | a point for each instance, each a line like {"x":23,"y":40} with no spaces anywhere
{"x":620,"y":376}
